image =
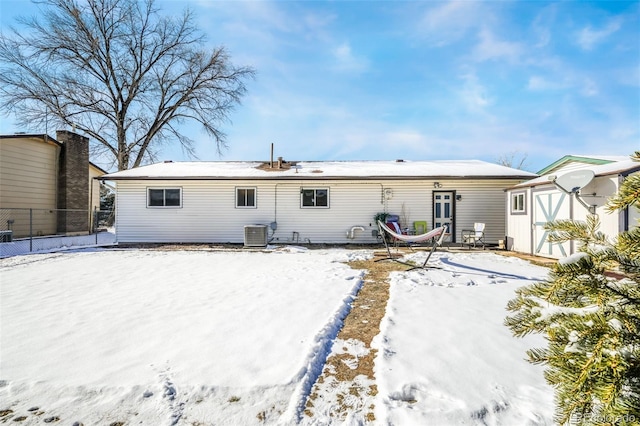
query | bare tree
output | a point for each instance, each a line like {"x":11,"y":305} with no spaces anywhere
{"x":514,"y":159}
{"x":121,"y":73}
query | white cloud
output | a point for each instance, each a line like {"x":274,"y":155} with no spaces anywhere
{"x":450,"y":21}
{"x":473,"y":94}
{"x":538,"y":83}
{"x":588,"y":37}
{"x":584,"y":85}
{"x":589,"y":88}
{"x":542,"y":25}
{"x":347,"y":61}
{"x":491,"y":47}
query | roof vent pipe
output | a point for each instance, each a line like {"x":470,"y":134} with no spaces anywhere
{"x":271,"y":161}
{"x":279,"y":162}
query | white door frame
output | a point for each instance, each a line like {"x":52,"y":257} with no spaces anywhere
{"x":444,"y":209}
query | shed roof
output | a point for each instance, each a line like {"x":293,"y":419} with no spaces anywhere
{"x":586,"y":159}
{"x":616,"y":168}
{"x":321,"y":170}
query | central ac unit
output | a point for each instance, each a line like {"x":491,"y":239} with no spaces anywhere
{"x":255,"y":235}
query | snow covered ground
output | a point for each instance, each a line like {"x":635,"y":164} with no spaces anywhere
{"x":205,"y":337}
{"x":56,"y":243}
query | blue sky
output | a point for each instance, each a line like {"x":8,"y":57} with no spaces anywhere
{"x":422,"y":80}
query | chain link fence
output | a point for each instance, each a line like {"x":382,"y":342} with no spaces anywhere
{"x":32,"y":230}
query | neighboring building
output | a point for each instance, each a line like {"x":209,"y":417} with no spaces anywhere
{"x":40,"y":177}
{"x":307,"y":202}
{"x":532,"y":204}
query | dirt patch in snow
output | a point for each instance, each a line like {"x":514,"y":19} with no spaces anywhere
{"x":345,"y":367}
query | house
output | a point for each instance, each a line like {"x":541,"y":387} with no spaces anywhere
{"x":307,"y":202}
{"x":570,"y":188}
{"x":47,"y":185}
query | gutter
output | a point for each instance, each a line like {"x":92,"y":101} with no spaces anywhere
{"x":311,"y":178}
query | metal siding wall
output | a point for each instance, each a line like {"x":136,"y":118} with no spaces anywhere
{"x":412,"y":201}
{"x":482,"y":201}
{"x":208,"y":213}
{"x":350,"y":204}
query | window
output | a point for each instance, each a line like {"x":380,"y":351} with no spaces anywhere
{"x":517,"y":203}
{"x":317,"y":197}
{"x":164,"y":197}
{"x":246,"y":198}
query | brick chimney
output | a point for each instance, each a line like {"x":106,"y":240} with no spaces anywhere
{"x":73,"y":182}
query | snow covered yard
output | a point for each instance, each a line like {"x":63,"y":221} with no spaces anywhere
{"x":445,"y":357}
{"x":200,"y":337}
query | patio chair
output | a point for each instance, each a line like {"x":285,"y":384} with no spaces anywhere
{"x":420,"y":227}
{"x":473,"y":237}
{"x":436,"y":236}
{"x":394,"y":225}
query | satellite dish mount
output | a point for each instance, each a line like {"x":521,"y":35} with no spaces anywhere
{"x":571,"y":183}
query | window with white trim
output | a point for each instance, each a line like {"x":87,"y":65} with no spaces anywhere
{"x":314,"y":198}
{"x":164,"y":197}
{"x":246,"y":198}
{"x":518,"y":205}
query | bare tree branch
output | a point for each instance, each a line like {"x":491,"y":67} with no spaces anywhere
{"x":514,"y":159}
{"x":120,"y":72}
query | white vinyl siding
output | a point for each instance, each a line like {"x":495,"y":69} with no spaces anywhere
{"x":480,"y":201}
{"x":209,"y":212}
{"x":352,"y":204}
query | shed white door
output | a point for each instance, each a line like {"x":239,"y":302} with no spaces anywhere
{"x":549,"y":206}
{"x":443,"y":211}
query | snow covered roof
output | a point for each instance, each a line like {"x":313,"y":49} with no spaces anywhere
{"x":321,"y":170}
{"x":616,"y":168}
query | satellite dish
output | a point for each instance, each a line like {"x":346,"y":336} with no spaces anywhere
{"x":573,"y":181}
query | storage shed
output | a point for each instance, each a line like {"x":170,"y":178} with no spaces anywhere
{"x":570,"y":188}
{"x":307,"y":202}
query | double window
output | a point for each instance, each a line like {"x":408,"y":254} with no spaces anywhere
{"x":164,"y":197}
{"x":314,"y":198}
{"x":246,"y":198}
{"x":518,"y":203}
